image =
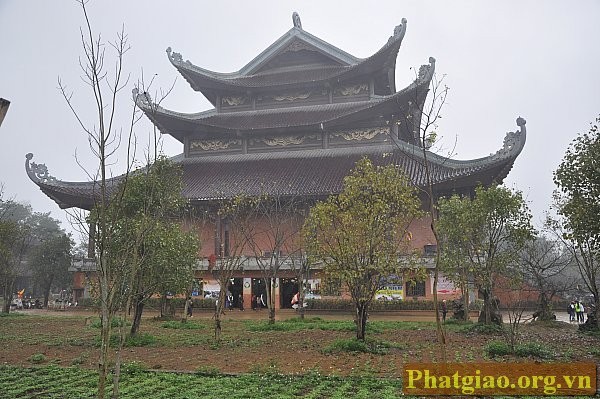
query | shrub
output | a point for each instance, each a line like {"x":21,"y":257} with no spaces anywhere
{"x":140,"y":340}
{"x":88,"y":302}
{"x":133,"y":367}
{"x":37,"y":358}
{"x":357,"y":346}
{"x":497,"y":348}
{"x":529,"y":349}
{"x":179,"y":303}
{"x":376,"y":305}
{"x":534,"y":349}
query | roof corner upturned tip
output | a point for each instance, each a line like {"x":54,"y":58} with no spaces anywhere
{"x":38,"y":173}
{"x":399,"y":30}
{"x":513,"y":142}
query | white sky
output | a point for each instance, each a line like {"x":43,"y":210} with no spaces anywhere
{"x":502,"y":59}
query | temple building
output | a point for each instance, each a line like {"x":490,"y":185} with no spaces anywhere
{"x":292,"y":123}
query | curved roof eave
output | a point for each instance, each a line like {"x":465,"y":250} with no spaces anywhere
{"x":205,"y":118}
{"x":449,"y":174}
{"x":195,"y":75}
{"x":476,"y":169}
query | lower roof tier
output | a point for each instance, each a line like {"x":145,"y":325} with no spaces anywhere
{"x":310,"y":173}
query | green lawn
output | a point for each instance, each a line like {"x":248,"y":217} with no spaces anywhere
{"x":56,"y":382}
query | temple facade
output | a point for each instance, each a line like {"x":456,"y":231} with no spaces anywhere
{"x":291,"y":124}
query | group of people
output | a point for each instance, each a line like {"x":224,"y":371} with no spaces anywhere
{"x":576,"y":312}
{"x":258,"y":302}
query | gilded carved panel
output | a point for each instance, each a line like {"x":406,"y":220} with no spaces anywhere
{"x":352,"y":90}
{"x":234,"y":100}
{"x":215,"y":145}
{"x":285,"y":141}
{"x":360,"y":134}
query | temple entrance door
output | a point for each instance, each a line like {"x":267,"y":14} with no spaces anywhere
{"x":258,"y":289}
{"x":236,"y":287}
{"x":288,"y":288}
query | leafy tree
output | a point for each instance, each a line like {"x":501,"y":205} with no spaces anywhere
{"x":157,"y":254}
{"x":21,"y":231}
{"x":360,"y":234}
{"x":452,"y":246}
{"x":50,"y":263}
{"x":490,"y":231}
{"x":13,"y":242}
{"x":578,"y":202}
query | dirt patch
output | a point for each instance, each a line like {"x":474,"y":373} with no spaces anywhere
{"x":72,"y":340}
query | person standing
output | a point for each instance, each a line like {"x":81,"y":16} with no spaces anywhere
{"x":580,"y":310}
{"x":241,"y":302}
{"x":190,"y":307}
{"x":262,"y":301}
{"x":571,"y":311}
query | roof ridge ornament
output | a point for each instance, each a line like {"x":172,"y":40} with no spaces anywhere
{"x":426,"y":71}
{"x":296,"y":20}
{"x":513,"y":141}
{"x":399,"y":31}
{"x":176,"y":58}
{"x":142,"y":100}
{"x":38,"y":173}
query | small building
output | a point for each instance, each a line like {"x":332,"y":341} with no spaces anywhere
{"x":292,"y":123}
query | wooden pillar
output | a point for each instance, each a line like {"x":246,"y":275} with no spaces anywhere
{"x":277,"y":294}
{"x":218,"y":237}
{"x":247,"y":293}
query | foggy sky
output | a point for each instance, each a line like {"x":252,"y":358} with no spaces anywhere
{"x":501,"y":60}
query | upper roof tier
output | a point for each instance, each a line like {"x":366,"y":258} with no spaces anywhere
{"x":295,"y":59}
{"x":324,"y":116}
{"x":312,"y":174}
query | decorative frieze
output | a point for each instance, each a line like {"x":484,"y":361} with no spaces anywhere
{"x":352,"y":90}
{"x":361,"y":134}
{"x":234,"y":100}
{"x":292,"y":96}
{"x":214,"y":145}
{"x":285,"y":141}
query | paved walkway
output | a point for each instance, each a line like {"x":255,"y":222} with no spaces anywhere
{"x":284,"y":314}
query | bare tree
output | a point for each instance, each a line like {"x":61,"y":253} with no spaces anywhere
{"x":234,"y":215}
{"x":544,"y":263}
{"x":271,"y":233}
{"x":104,"y":139}
{"x":421,"y":123}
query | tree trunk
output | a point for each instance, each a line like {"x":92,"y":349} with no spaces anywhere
{"x":8,"y":295}
{"x":487,"y":311}
{"x":545,"y":312}
{"x":138,"y":308}
{"x":361,"y":321}
{"x":47,"y":293}
{"x":489,"y":314}
{"x":271,"y":300}
{"x":104,"y":352}
{"x":301,"y":297}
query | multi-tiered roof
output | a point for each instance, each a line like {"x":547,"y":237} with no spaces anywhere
{"x":293,"y":122}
